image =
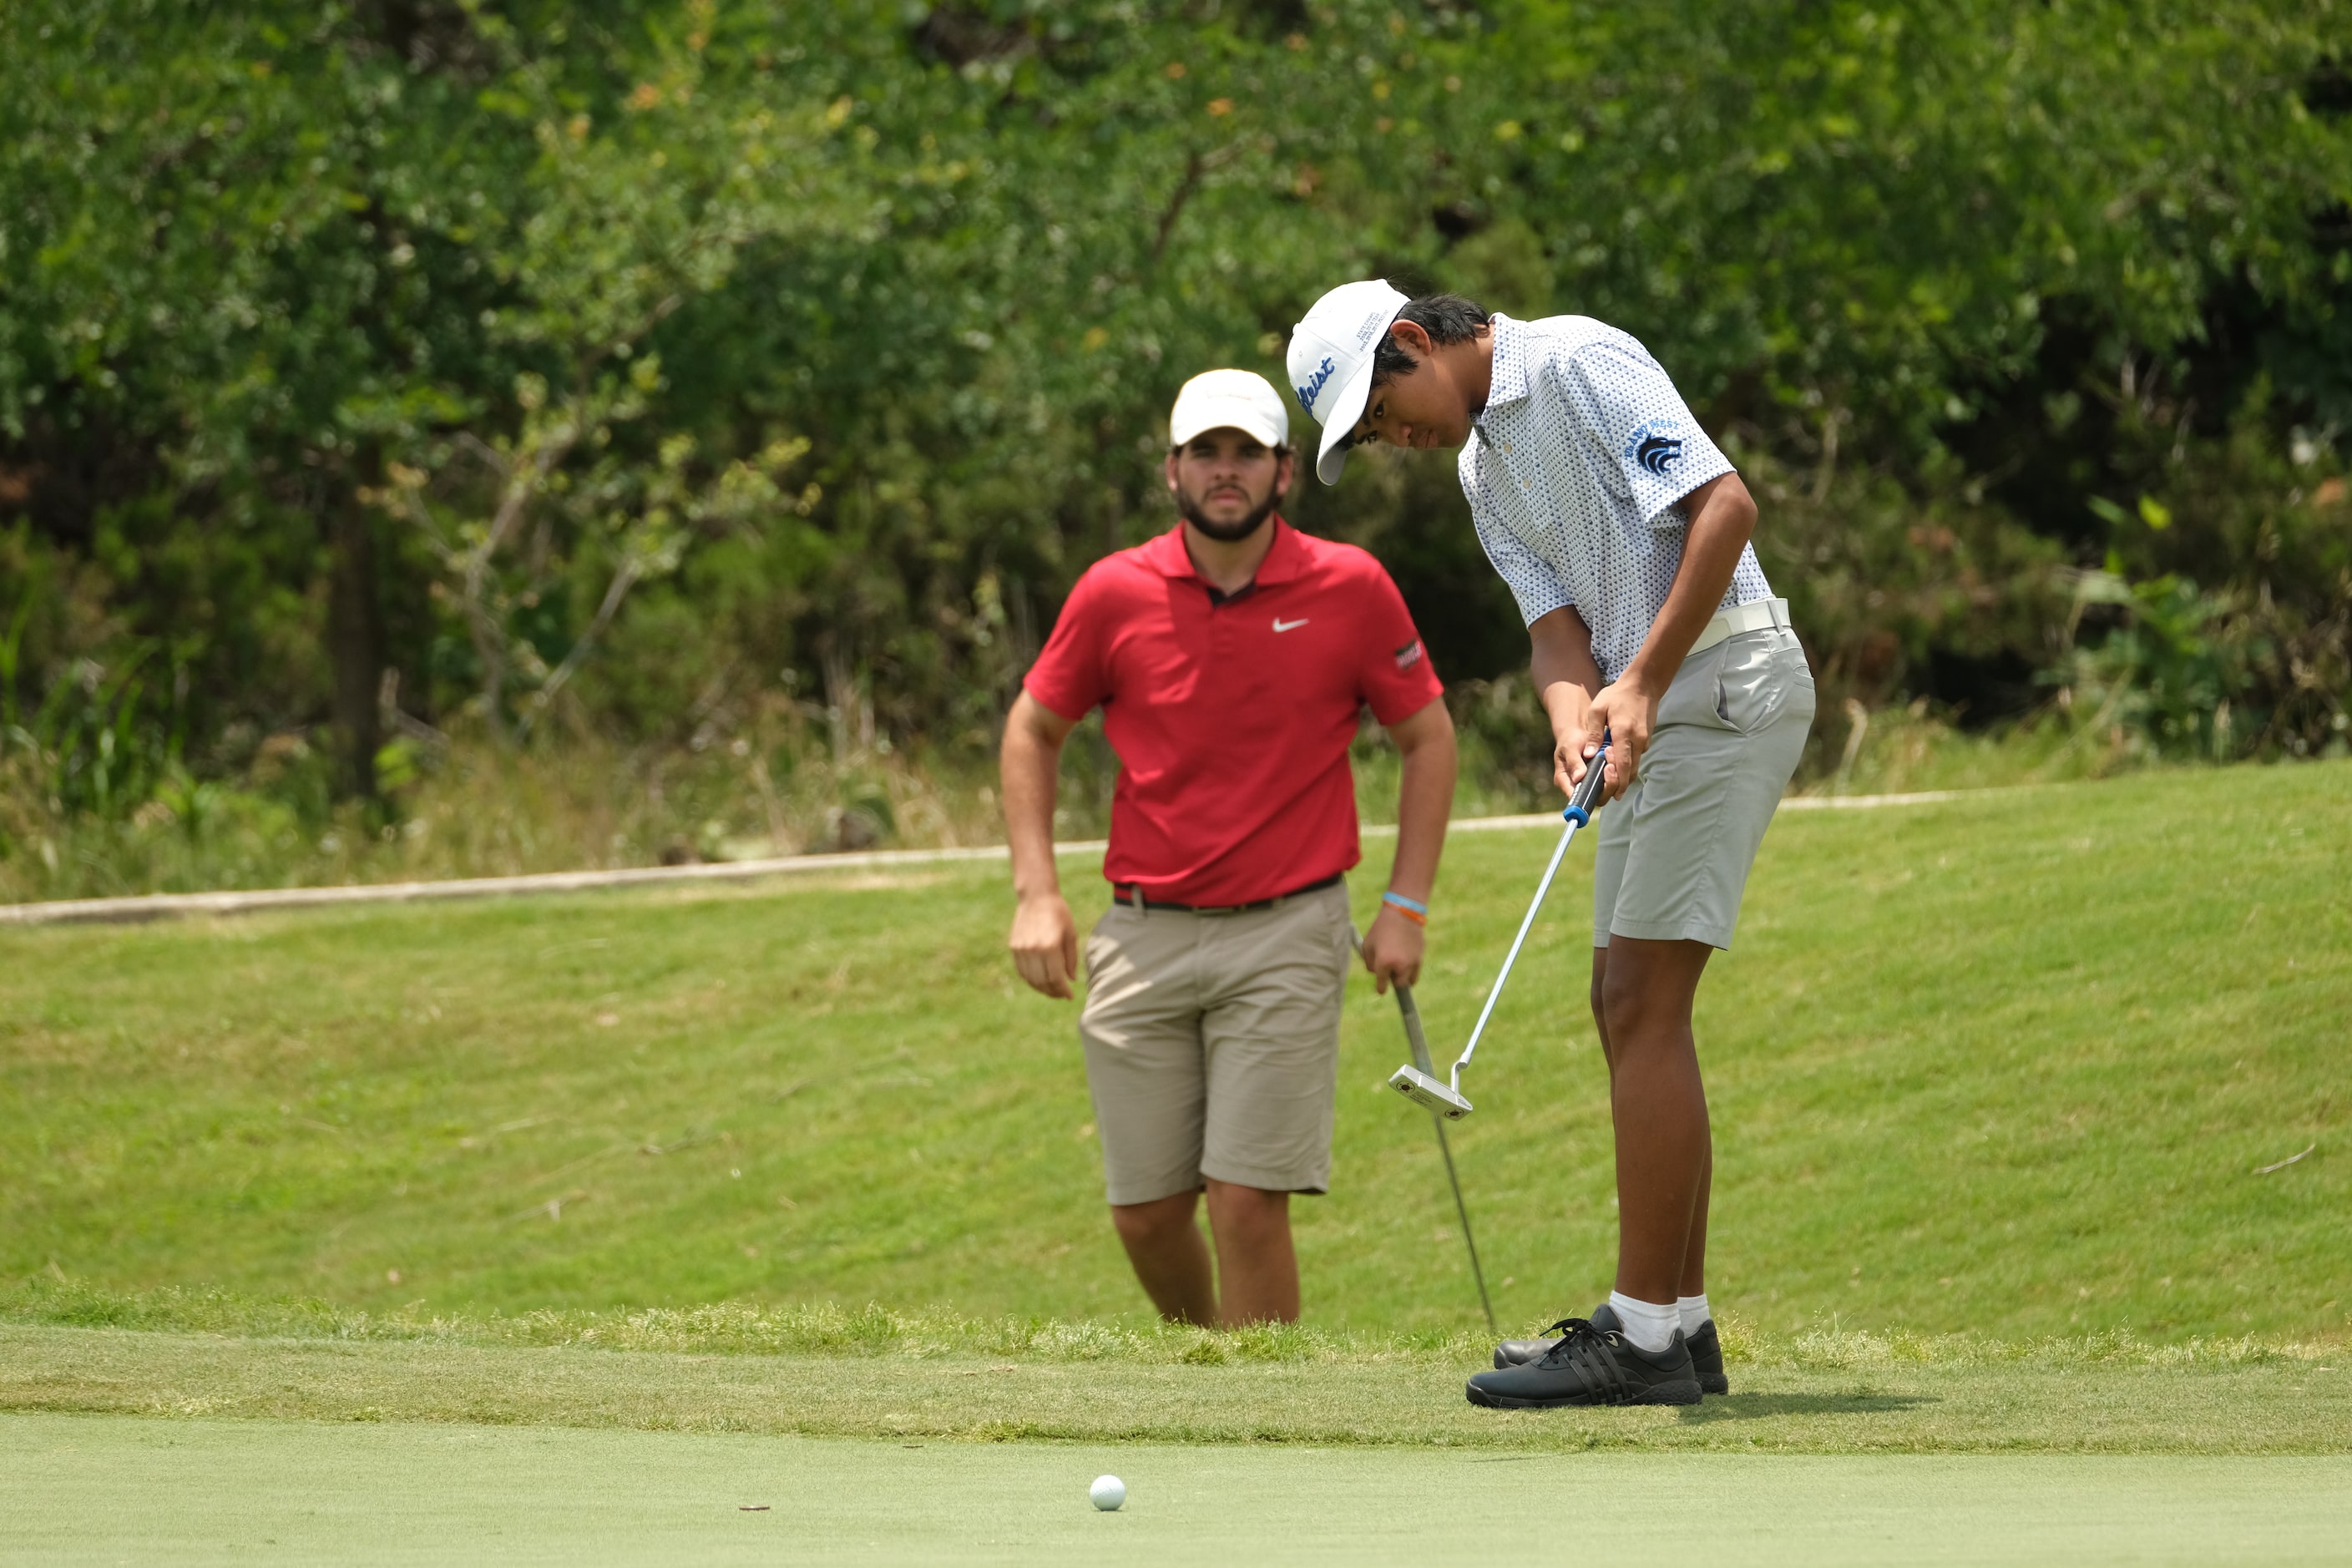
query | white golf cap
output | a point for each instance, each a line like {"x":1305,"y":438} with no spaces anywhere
{"x":1238,"y":399}
{"x":1332,"y":362}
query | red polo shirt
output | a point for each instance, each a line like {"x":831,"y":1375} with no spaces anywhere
{"x":1231,"y":719}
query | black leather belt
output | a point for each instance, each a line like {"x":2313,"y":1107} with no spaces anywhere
{"x":1132,"y":897}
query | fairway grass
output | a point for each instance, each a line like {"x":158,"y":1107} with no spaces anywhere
{"x":2005,"y":1066}
{"x":549,"y":1230}
{"x":212,"y":1492}
{"x":2060,"y":1400}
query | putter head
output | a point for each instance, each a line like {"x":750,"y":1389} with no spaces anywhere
{"x":1423,"y":1089}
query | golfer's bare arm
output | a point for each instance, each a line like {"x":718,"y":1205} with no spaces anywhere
{"x":1722,"y":521}
{"x":1392,"y":947}
{"x":1566,"y":680}
{"x":1045,"y":939}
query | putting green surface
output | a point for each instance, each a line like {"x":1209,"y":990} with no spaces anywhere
{"x":104,"y":1489}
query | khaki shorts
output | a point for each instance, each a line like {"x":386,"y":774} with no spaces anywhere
{"x":1674,"y":852}
{"x":1213,"y":1044}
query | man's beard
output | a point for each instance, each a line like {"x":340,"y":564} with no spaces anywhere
{"x":1225,"y":533}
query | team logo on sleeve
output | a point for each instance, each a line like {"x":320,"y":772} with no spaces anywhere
{"x":1655,"y":447}
{"x":1409,"y":655}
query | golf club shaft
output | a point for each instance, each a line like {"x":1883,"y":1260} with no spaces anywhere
{"x":1445,"y":1146}
{"x":1581,"y":807}
{"x":1419,"y":1041}
{"x":1511,"y":957}
{"x":1478,"y":1273}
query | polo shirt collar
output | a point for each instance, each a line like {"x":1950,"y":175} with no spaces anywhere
{"x":1508,"y":381}
{"x":1286,"y":559}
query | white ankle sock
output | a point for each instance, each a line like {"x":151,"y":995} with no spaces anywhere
{"x":1695,"y":1311}
{"x":1649,"y":1325}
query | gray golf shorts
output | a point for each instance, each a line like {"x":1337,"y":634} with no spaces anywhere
{"x":1213,"y":1044}
{"x":1676,"y":849}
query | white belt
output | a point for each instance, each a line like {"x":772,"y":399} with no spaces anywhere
{"x":1756,"y":615}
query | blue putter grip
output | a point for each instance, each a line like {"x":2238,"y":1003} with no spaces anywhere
{"x":1588,"y":794}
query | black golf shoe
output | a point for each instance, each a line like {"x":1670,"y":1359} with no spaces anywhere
{"x":1706,"y":1349}
{"x":1589,"y":1364}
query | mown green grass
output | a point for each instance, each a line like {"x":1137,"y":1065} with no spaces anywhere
{"x":202,"y":1491}
{"x":2003,"y":1065}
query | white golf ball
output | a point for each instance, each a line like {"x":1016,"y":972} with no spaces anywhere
{"x":1108,"y":1493}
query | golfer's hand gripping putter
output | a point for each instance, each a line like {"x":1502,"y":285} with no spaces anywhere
{"x":1446,"y":1098}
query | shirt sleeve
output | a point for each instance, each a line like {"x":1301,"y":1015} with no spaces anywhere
{"x":1070,"y":676}
{"x":1651,"y":448}
{"x":1533,"y":583}
{"x":1394,"y":671}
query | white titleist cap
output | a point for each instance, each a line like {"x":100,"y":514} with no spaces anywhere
{"x":1239,"y":399}
{"x":1331,"y":363}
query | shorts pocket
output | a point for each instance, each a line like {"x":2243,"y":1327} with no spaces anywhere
{"x":1105,"y":945}
{"x":1694,"y":696}
{"x":1758,"y":679}
{"x":1343,"y":925}
{"x":1097,"y":950}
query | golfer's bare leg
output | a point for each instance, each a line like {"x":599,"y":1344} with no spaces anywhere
{"x":1693,"y":1278}
{"x":1257,"y":1268}
{"x":1169,"y":1259}
{"x":1695,"y":1250}
{"x":1642,"y":994}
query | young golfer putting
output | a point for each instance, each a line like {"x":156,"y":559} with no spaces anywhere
{"x":1231,"y":656}
{"x":1623,"y":533}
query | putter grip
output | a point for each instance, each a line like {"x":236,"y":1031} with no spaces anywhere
{"x":1587,"y":798}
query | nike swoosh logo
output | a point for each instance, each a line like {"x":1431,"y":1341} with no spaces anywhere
{"x":1282,"y":626}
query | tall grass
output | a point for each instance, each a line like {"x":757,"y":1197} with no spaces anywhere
{"x":467,"y":805}
{"x":471,"y":807}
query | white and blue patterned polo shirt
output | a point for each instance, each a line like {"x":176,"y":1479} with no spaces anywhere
{"x":1574,"y":474}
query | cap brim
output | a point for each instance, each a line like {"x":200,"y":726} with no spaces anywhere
{"x":1228,"y":415}
{"x":1347,"y":407}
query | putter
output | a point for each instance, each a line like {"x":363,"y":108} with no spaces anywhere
{"x":1419,"y":1085}
{"x":1420,"y":1060}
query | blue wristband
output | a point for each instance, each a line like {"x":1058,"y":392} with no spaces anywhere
{"x":1401,"y":901}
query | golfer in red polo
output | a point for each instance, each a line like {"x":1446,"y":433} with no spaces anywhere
{"x":1231,"y":656}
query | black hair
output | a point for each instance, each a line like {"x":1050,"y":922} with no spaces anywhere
{"x":1446,"y":318}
